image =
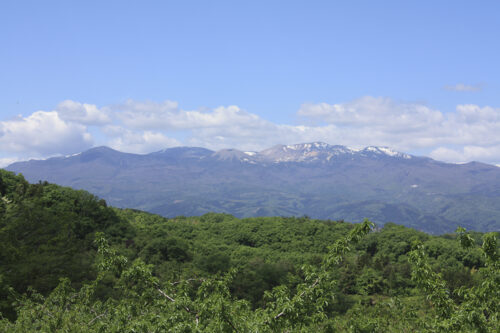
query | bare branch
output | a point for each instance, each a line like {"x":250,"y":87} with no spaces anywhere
{"x":99,"y":316}
{"x":188,"y":280}
{"x":165,"y":295}
{"x":172,"y":300}
{"x":230,"y":323}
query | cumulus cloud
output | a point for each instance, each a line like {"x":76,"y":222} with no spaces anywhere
{"x":43,"y":134}
{"x":87,"y":114}
{"x":7,"y":161}
{"x":470,"y":132}
{"x":464,"y":87}
{"x":168,"y":116}
{"x":376,"y":112}
{"x":410,"y":126}
{"x":376,"y":121}
{"x":467,"y":153}
{"x":247,"y":136}
{"x":123,"y":139}
{"x":221,"y":127}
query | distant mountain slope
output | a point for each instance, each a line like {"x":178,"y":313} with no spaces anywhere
{"x":315,"y":179}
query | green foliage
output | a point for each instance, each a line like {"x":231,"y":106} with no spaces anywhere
{"x":478,"y":306}
{"x":166,"y":249}
{"x":100,"y":269}
{"x":46,"y":234}
{"x":145,"y":305}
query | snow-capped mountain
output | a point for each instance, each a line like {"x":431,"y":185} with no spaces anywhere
{"x":385,"y":151}
{"x":306,"y":152}
{"x":314,"y":179}
{"x":303,"y":152}
{"x":320,"y":151}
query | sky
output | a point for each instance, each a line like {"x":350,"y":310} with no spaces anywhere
{"x":421,"y":77}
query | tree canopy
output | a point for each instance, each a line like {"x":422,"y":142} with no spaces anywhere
{"x":70,"y":263}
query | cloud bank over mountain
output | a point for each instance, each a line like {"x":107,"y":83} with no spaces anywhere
{"x":470,"y":132}
{"x":43,"y":133}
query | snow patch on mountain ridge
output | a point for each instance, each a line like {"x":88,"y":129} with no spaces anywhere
{"x":307,"y":152}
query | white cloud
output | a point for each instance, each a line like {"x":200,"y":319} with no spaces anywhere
{"x":7,"y":161}
{"x":147,"y":115}
{"x":470,"y":132}
{"x":464,"y":87}
{"x":372,"y":111}
{"x":87,"y":114}
{"x":447,"y":154}
{"x":409,"y":127}
{"x":123,"y":139}
{"x":168,"y":116}
{"x":471,"y":113}
{"x":42,"y":134}
{"x":376,"y":121}
{"x":467,"y":154}
{"x":376,"y":113}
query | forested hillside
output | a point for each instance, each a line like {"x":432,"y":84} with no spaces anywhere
{"x":70,"y":263}
{"x":47,"y":231}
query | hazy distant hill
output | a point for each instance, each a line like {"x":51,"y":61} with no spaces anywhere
{"x":315,"y":179}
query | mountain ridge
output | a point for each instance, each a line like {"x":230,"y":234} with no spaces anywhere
{"x":315,"y":179}
{"x":310,"y":150}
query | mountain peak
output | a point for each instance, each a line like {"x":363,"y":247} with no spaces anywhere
{"x":303,"y":152}
{"x":182,"y":152}
{"x":385,"y":151}
{"x":308,"y":146}
{"x":320,"y":151}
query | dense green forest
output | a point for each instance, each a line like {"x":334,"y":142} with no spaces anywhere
{"x":70,"y":263}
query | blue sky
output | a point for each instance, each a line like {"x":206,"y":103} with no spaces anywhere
{"x":419,"y":76}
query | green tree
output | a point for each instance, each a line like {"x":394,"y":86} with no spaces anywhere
{"x":478,"y":306}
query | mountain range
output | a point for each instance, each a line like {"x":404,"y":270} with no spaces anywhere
{"x":314,"y":179}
